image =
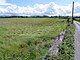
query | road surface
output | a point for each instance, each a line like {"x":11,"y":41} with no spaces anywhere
{"x":77,"y":40}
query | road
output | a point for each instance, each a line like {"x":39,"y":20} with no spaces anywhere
{"x":77,"y":40}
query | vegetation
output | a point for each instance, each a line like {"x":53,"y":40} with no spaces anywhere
{"x":66,"y":49}
{"x":77,"y":19}
{"x":28,"y":38}
{"x":44,"y":16}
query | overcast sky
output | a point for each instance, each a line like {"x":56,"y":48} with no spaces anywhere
{"x":38,"y":7}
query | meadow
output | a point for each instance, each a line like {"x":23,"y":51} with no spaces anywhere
{"x":28,"y":38}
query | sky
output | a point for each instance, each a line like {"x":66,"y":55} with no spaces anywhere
{"x":32,"y":2}
{"x":38,"y":7}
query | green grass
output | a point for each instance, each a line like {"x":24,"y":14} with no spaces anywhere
{"x":77,"y":19}
{"x":28,"y":38}
{"x":66,"y":49}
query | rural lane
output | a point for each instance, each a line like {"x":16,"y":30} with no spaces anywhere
{"x":77,"y":40}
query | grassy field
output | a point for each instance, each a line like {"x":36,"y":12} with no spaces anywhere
{"x":28,"y":38}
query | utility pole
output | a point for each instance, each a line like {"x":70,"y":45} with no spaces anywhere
{"x":72,"y":12}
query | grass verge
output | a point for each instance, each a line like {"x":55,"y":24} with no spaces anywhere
{"x":66,"y":49}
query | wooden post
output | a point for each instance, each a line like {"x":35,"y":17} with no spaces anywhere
{"x":72,"y":12}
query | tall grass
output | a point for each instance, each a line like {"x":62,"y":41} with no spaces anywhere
{"x":66,"y":49}
{"x":28,"y":38}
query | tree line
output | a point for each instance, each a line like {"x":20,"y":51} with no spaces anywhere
{"x":62,"y":17}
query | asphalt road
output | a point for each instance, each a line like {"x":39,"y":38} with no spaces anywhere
{"x":77,"y":40}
